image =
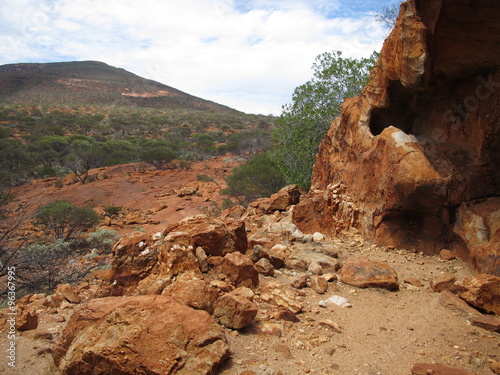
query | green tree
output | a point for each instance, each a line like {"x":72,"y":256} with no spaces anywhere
{"x":84,"y":156}
{"x":259,"y":178}
{"x":50,"y":150}
{"x":15,"y":162}
{"x":64,"y":220}
{"x":160,"y":157}
{"x":304,"y":122}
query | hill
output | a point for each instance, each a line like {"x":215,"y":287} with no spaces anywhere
{"x":90,"y":82}
{"x":60,"y":118}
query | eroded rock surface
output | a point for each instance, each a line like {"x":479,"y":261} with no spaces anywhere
{"x":415,"y":156}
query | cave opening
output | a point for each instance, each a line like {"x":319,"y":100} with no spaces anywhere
{"x":399,"y":113}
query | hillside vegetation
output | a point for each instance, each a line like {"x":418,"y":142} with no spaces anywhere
{"x":90,"y":82}
{"x":65,"y":118}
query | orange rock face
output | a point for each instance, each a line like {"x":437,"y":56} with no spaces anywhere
{"x":422,"y":139}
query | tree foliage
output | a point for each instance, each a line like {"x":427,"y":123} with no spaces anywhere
{"x":64,"y":220}
{"x":160,"y":157}
{"x":40,"y":142}
{"x":304,"y":122}
{"x":85,"y":155}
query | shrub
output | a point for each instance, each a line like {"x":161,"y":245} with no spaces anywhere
{"x":112,"y":210}
{"x":58,"y":183}
{"x":227,"y":203}
{"x":204,"y":178}
{"x":185,"y":164}
{"x":261,"y":177}
{"x":46,"y":265}
{"x":159,"y":157}
{"x":102,"y":239}
{"x":315,"y":104}
{"x":45,"y":171}
{"x":64,"y":219}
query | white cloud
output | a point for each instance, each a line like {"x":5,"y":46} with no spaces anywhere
{"x":249,"y":55}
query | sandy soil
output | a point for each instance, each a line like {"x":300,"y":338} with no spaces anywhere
{"x":382,"y":333}
{"x":155,"y":194}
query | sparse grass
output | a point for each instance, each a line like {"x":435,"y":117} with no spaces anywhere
{"x":204,"y":178}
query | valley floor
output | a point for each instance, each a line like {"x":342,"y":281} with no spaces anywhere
{"x":383,"y":332}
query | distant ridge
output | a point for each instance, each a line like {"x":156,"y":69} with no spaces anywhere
{"x":90,"y":83}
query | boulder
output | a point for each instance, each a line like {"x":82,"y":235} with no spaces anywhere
{"x":277,"y":255}
{"x":415,"y":281}
{"x":265,"y":267}
{"x":315,"y":268}
{"x":193,"y":292}
{"x":282,"y":296}
{"x":240,"y":270}
{"x":67,"y":292}
{"x":176,"y":254}
{"x":482,"y":291}
{"x":485,"y":258}
{"x":134,"y":257}
{"x":300,"y":281}
{"x":365,"y":273}
{"x":268,"y":328}
{"x":202,"y":259}
{"x":54,"y":300}
{"x":26,"y":319}
{"x":235,"y":311}
{"x":318,"y":284}
{"x":211,"y":234}
{"x":283,"y":199}
{"x":318,"y":237}
{"x":284,"y":230}
{"x":153,"y":333}
{"x":443,"y":282}
{"x":285,"y":314}
{"x":478,"y":227}
{"x":495,"y":367}
{"x":238,"y":231}
{"x":235,"y":212}
{"x":487,"y":322}
{"x":446,"y":254}
{"x":303,"y":256}
{"x":452,"y":301}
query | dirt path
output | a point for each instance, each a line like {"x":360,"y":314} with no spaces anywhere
{"x":383,"y":333}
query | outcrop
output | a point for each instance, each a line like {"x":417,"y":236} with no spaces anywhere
{"x":414,"y":160}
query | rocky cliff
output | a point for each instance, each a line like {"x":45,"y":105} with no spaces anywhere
{"x":413,"y":161}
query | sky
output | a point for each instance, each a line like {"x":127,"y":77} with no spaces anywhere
{"x":246,"y":54}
